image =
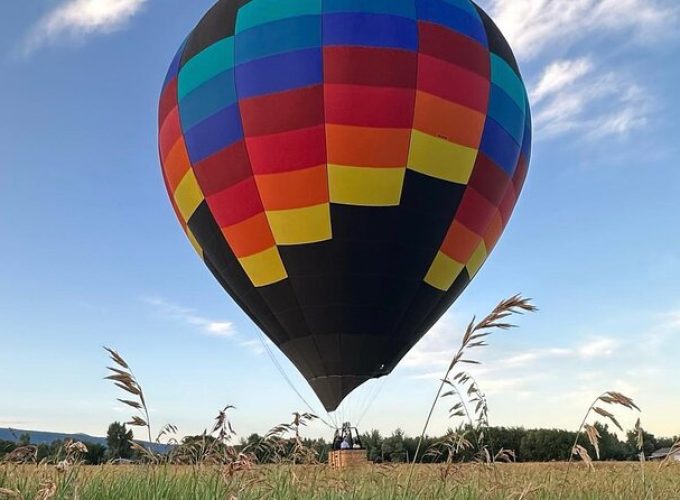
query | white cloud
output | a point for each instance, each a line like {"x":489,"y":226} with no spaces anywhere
{"x":436,"y":349}
{"x":533,"y":26}
{"x":205,"y":325}
{"x":74,"y":19}
{"x":572,"y":96}
{"x":220,"y":328}
{"x":598,"y":348}
{"x":254,"y":346}
{"x":559,"y":75}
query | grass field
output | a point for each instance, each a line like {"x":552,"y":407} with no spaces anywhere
{"x":473,"y":481}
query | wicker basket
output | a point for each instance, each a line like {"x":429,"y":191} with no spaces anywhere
{"x":341,"y":459}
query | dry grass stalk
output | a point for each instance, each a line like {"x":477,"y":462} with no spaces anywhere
{"x":23,"y":455}
{"x":48,"y":490}
{"x":7,"y":493}
{"x":283,"y":442}
{"x":475,"y":337}
{"x":124,"y":378}
{"x":608,"y":398}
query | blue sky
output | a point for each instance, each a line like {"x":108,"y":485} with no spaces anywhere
{"x":92,"y":255}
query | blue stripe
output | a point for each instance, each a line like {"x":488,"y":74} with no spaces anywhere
{"x":278,"y":73}
{"x":214,"y":134}
{"x":370,"y":30}
{"x":465,"y":5}
{"x":504,"y":110}
{"x":528,"y":135}
{"x":208,"y":99}
{"x":277,"y":37}
{"x":441,"y":12}
{"x":403,"y":8}
{"x":498,"y":145}
{"x":174,"y":66}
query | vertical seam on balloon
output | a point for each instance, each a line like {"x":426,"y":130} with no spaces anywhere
{"x":245,"y":145}
{"x":330,"y":221}
{"x":396,"y":228}
{"x":448,"y":293}
{"x":423,"y":321}
{"x":398,"y":322}
{"x":205,"y":256}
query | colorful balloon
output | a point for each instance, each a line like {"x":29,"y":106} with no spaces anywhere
{"x":344,"y":168}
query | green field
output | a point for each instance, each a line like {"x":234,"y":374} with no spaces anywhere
{"x":472,"y":481}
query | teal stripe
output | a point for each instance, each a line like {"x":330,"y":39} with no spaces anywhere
{"x":212,"y":61}
{"x":403,"y":8}
{"x":211,"y":97}
{"x":287,"y":35}
{"x":465,"y":5}
{"x":506,"y":78}
{"x":260,"y":12}
{"x":504,"y":110}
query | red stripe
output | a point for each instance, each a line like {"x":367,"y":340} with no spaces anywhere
{"x":170,"y":132}
{"x":453,"y":83}
{"x":284,"y":111}
{"x":370,"y":66}
{"x":520,"y":174}
{"x":167,"y":102}
{"x":365,"y":106}
{"x":475,"y":211}
{"x":488,"y":179}
{"x":236,"y":203}
{"x":287,"y":151}
{"x":507,"y":206}
{"x":455,"y":48}
{"x":223,"y":169}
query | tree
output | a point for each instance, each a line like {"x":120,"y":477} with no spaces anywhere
{"x":393,"y":449}
{"x":649,"y":443}
{"x":373,"y":443}
{"x":24,"y":439}
{"x":96,"y":454}
{"x":118,"y":441}
{"x":611,"y":448}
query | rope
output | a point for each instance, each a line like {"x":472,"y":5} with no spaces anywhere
{"x":377,"y":390}
{"x":290,"y":382}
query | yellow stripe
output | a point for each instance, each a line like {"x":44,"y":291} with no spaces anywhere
{"x":443,"y":272}
{"x":440,"y":158}
{"x":194,"y":242}
{"x":477,"y":260}
{"x":188,"y":195}
{"x":301,"y":225}
{"x":366,"y":186}
{"x":264,"y":268}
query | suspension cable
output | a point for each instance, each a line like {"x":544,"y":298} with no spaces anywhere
{"x":289,"y":381}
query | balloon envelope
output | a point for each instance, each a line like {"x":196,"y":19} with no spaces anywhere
{"x":344,"y":168}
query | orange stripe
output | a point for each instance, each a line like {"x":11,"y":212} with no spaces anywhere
{"x":441,"y":118}
{"x":367,"y":146}
{"x":250,"y":236}
{"x":294,"y":189}
{"x":493,"y":232}
{"x":460,"y":243}
{"x":176,"y":164}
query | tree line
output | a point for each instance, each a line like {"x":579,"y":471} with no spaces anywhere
{"x":525,"y":445}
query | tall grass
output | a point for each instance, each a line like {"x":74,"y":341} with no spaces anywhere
{"x":214,"y":465}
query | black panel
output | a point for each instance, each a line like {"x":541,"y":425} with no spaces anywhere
{"x":497,"y":42}
{"x":345,"y":362}
{"x":281,"y":299}
{"x":223,"y":264}
{"x":363,"y":223}
{"x":218,"y":23}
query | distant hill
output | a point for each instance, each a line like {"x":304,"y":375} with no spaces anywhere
{"x":40,"y":437}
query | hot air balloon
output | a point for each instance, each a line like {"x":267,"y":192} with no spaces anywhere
{"x":344,"y":168}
